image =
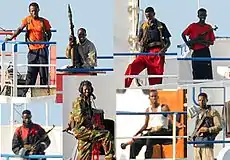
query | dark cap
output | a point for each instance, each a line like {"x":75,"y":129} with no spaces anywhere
{"x":26,"y":112}
{"x":149,"y":9}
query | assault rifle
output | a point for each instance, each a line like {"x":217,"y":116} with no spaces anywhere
{"x":198,"y":126}
{"x":144,"y":40}
{"x":201,"y":37}
{"x":32,"y":147}
{"x":74,"y":54}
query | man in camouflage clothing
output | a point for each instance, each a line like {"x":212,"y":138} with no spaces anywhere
{"x":85,"y":48}
{"x":83,"y":128}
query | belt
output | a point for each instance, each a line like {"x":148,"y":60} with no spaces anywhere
{"x":154,"y":44}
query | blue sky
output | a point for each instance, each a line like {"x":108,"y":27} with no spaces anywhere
{"x":84,"y":13}
{"x":97,"y":18}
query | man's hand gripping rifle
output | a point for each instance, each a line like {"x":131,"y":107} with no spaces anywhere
{"x":198,"y":126}
{"x":201,"y":38}
{"x":32,"y":149}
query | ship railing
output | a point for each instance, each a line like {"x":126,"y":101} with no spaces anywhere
{"x":14,"y":85}
{"x":174,"y":136}
{"x":8,"y":156}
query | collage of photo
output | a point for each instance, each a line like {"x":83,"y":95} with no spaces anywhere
{"x":114,"y":80}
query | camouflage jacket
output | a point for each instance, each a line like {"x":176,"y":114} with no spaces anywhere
{"x":81,"y":114}
{"x":87,"y":51}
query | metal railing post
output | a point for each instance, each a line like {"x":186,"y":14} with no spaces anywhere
{"x":174,"y":136}
{"x":15,"y":71}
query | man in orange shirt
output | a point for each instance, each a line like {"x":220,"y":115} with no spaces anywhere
{"x":201,"y":69}
{"x":38,"y":29}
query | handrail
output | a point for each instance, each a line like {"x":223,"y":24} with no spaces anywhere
{"x":22,"y":42}
{"x":146,"y":113}
{"x":83,"y":70}
{"x":207,"y":142}
{"x":13,"y":30}
{"x":155,"y":137}
{"x":151,"y":76}
{"x":144,"y":53}
{"x":174,"y":136}
{"x":14,"y":64}
{"x":8,"y":156}
{"x":204,"y":59}
{"x":98,"y":57}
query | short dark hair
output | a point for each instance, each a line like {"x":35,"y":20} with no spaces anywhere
{"x":34,"y":4}
{"x":149,"y":10}
{"x":203,"y":95}
{"x":82,"y":29}
{"x":201,"y":10}
{"x":85,"y":83}
{"x":153,"y":90}
{"x":26,"y":112}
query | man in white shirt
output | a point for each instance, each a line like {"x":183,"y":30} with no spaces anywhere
{"x":156,"y":124}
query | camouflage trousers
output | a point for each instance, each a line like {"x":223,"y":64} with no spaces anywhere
{"x":203,"y":153}
{"x":88,"y":138}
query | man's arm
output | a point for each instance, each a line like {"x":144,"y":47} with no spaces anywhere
{"x":165,"y":108}
{"x":46,"y":142}
{"x":16,"y":33}
{"x":70,"y":47}
{"x":49,"y":34}
{"x":140,"y":35}
{"x":92,"y":55}
{"x":166,"y":35}
{"x":145,"y":125}
{"x":68,"y":51}
{"x":48,"y":29}
{"x":79,"y":117}
{"x":217,"y":123}
{"x":185,"y":33}
{"x":16,"y":143}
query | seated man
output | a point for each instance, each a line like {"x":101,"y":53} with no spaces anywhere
{"x":156,"y":124}
{"x":84,"y":54}
{"x":27,"y":135}
{"x":84,"y":129}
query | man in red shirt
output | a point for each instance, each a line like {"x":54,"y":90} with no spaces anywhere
{"x":27,"y":135}
{"x":201,"y":69}
{"x":38,"y":29}
{"x":153,"y":38}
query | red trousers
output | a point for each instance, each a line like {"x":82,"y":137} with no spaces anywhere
{"x":154,"y":65}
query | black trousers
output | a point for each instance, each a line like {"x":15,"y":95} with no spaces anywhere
{"x":39,"y":56}
{"x":202,"y":69}
{"x":137,"y":145}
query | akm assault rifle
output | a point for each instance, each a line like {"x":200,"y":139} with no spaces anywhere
{"x":32,"y":147}
{"x":198,"y":126}
{"x":201,"y":37}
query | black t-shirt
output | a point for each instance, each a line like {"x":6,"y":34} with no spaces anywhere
{"x":154,"y":33}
